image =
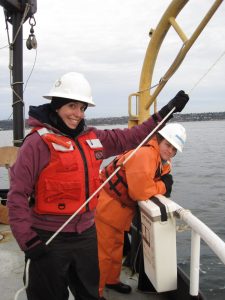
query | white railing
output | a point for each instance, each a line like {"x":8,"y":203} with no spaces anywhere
{"x":199,"y":231}
{"x":151,"y":210}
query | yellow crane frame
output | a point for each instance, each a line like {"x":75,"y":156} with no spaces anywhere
{"x":144,"y":98}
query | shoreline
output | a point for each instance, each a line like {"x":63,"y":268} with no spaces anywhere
{"x":191,"y":117}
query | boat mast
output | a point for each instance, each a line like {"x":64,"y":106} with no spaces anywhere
{"x":15,"y":13}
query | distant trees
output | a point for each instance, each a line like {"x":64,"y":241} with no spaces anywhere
{"x":8,"y":125}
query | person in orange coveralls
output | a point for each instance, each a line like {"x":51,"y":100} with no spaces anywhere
{"x":144,"y":175}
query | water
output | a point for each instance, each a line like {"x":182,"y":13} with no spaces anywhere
{"x":199,"y":175}
{"x":199,"y":185}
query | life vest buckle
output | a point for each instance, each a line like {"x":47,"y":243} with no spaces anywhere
{"x":61,"y":206}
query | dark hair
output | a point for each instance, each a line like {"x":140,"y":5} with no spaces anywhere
{"x":159,"y":138}
{"x":58,"y":102}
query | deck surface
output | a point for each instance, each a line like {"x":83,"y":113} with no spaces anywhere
{"x":12,"y":267}
{"x":135,"y":294}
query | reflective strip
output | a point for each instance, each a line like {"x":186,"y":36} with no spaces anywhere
{"x":62,"y":148}
{"x":43,"y":131}
{"x":55,"y":139}
{"x":94,"y":143}
{"x":180,"y":139}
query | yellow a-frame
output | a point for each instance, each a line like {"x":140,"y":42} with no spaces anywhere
{"x":144,"y":99}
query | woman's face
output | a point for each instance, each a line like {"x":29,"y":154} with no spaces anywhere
{"x":72,"y":113}
{"x":166,"y":150}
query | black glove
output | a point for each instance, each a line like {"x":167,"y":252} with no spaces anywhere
{"x":37,"y":251}
{"x":168,"y":181}
{"x":179,"y":101}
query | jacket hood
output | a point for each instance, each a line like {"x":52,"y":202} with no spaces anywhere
{"x":40,"y":115}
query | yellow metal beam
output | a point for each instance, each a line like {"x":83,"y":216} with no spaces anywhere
{"x":178,"y":29}
{"x":144,"y":98}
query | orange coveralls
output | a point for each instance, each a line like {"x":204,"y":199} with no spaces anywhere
{"x":113,"y":218}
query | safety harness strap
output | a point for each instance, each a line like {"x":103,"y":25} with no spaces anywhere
{"x":119,"y":179}
{"x":162,"y":208}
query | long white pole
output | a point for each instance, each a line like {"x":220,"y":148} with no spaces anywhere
{"x":104,"y":183}
{"x":89,"y":199}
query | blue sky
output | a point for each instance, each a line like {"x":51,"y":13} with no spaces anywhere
{"x":107,"y":40}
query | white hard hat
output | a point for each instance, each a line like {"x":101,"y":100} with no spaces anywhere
{"x":72,"y":86}
{"x":175,"y":134}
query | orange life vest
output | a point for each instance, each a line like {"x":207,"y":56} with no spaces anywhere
{"x":71,"y":176}
{"x":117,"y":186}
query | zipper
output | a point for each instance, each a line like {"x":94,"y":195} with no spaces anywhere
{"x":86,"y":179}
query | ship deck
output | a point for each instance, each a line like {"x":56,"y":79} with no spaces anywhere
{"x":132,"y":280}
{"x":12,"y":268}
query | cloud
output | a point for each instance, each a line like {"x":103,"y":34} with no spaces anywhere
{"x":107,"y":41}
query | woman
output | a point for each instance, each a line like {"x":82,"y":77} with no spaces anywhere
{"x":57,"y":169}
{"x":145,"y":174}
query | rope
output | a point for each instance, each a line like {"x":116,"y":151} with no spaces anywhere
{"x":182,"y":228}
{"x":196,"y":84}
{"x":7,"y":27}
{"x":206,"y":73}
{"x":32,"y":69}
{"x":148,"y":89}
{"x":26,"y":281}
{"x":10,"y":46}
{"x":27,"y":8}
{"x":89,"y":199}
{"x":165,"y":79}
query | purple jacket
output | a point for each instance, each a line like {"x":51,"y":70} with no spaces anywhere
{"x":33,"y":156}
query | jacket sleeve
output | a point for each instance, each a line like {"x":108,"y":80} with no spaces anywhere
{"x":116,"y":141}
{"x":140,"y":172}
{"x":23,"y":175}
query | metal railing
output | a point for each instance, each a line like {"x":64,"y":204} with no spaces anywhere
{"x":199,"y":231}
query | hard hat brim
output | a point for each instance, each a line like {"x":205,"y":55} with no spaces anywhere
{"x":49,"y":97}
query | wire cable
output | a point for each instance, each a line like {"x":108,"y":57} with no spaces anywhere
{"x":207,"y":72}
